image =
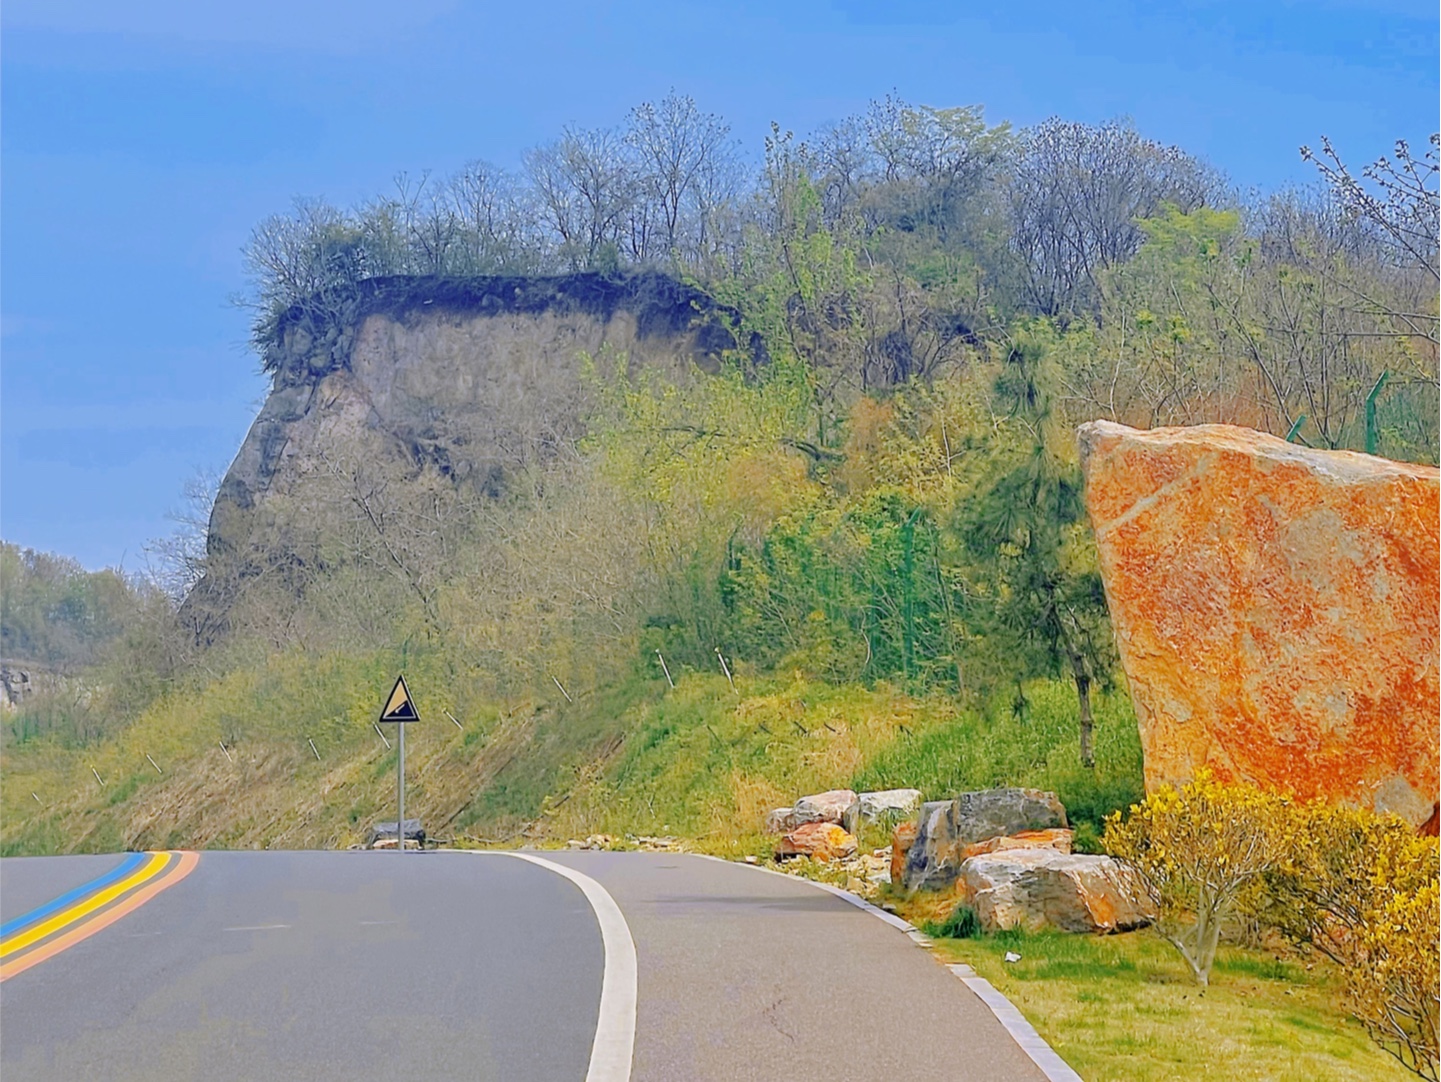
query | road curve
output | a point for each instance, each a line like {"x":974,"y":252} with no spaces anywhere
{"x":750,"y":976}
{"x":291,"y":965}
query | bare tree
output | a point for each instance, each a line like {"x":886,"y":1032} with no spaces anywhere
{"x":585,"y":190}
{"x":1076,"y":193}
{"x":681,"y":154}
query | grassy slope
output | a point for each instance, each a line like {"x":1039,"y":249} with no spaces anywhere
{"x":701,"y":761}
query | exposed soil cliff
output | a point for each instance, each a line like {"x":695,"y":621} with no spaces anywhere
{"x":472,"y":376}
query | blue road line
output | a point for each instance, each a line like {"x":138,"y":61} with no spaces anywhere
{"x":126,"y":866}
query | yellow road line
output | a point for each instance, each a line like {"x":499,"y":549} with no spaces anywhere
{"x":70,"y":915}
{"x":178,"y":871}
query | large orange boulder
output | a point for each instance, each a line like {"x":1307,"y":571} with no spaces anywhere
{"x":1275,"y":609}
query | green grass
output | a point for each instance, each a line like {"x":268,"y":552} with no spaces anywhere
{"x":1124,"y":1009}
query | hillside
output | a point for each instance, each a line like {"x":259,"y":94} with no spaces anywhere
{"x":529,"y":434}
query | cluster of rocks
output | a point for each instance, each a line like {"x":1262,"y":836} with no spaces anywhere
{"x":1005,"y":852}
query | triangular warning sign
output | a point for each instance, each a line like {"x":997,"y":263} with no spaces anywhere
{"x":399,"y":706}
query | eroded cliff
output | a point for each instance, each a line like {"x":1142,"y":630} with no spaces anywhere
{"x":473,"y":377}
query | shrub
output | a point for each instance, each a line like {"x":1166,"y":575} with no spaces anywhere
{"x":1362,"y":889}
{"x":961,"y":924}
{"x":1197,"y":852}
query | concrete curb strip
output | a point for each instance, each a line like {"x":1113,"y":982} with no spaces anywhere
{"x":614,"y":1045}
{"x":1007,"y":1013}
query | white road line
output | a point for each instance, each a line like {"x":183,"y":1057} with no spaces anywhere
{"x":256,"y":928}
{"x":614,"y":1045}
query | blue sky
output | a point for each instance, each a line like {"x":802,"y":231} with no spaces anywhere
{"x":140,"y":141}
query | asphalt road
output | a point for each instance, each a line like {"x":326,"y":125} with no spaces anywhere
{"x":288,"y":965}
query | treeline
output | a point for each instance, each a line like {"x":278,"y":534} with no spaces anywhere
{"x":56,"y":615}
{"x":878,"y":249}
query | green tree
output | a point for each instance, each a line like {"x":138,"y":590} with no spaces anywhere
{"x":1035,"y":592}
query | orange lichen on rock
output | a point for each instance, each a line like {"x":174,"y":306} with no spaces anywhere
{"x":1275,"y":608}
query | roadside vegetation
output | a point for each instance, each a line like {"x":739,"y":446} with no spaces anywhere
{"x":1126,"y":1008}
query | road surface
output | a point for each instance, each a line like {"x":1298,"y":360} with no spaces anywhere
{"x":435,"y":965}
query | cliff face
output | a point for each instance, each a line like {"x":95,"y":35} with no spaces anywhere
{"x":471,"y":376}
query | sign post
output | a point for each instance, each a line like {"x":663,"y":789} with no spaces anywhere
{"x":400,"y":708}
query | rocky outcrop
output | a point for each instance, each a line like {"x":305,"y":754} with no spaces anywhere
{"x":820,"y":841}
{"x":1275,"y":609}
{"x":1038,"y":888}
{"x":947,"y":827}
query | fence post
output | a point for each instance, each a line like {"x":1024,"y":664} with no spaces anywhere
{"x":1372,"y":436}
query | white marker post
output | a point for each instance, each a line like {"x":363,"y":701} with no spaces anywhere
{"x":400,"y":708}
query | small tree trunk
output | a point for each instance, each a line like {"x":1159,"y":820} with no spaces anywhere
{"x":1083,"y":695}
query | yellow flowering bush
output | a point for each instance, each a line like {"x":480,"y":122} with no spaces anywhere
{"x":1362,"y":888}
{"x":1198,"y":852}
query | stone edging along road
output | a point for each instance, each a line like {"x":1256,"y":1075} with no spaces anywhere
{"x":1046,"y":1058}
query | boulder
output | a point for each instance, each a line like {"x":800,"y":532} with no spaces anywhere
{"x":834,"y":806}
{"x":781,"y":821}
{"x":819,"y":841}
{"x":1275,"y":610}
{"x":898,"y":803}
{"x":946,"y":827}
{"x":1038,"y":888}
{"x":1056,"y":838}
{"x":901,"y":842}
{"x":382,"y":835}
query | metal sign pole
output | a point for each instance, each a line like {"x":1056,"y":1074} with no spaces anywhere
{"x":400,"y":789}
{"x":399,"y":708}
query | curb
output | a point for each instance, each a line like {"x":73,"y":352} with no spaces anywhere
{"x":1046,"y":1058}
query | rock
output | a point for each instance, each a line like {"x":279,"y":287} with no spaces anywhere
{"x":894,"y":802}
{"x":1036,"y":888}
{"x":1056,"y":838}
{"x":876,"y":869}
{"x":781,"y":821}
{"x":382,"y":835}
{"x":834,"y":806}
{"x":819,"y":841}
{"x":592,"y":841}
{"x":947,"y":826}
{"x":901,"y":841}
{"x":1275,"y":610}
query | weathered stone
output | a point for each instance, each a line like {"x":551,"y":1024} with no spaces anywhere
{"x":1036,"y":888}
{"x":1275,"y":608}
{"x":833,"y":806}
{"x":1056,"y":838}
{"x":781,"y":821}
{"x":901,"y":841}
{"x":819,"y":841}
{"x":382,"y":835}
{"x":898,"y":803}
{"x":947,"y":826}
